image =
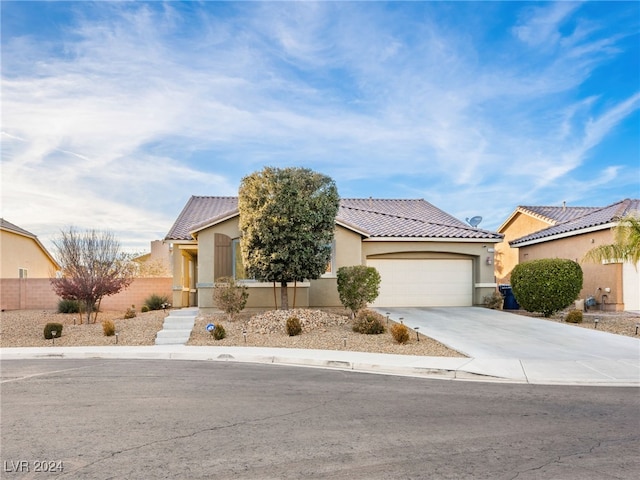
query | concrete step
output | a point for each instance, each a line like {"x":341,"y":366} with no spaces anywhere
{"x":177,"y":326}
{"x":173,"y":323}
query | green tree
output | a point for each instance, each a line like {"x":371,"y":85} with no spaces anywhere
{"x":626,"y":246}
{"x":287,"y":220}
{"x":546,"y":285}
{"x":357,"y":286}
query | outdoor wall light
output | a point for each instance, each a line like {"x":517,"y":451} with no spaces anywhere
{"x":595,"y":323}
{"x":417,"y":336}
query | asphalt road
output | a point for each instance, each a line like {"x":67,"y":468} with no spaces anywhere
{"x":104,"y":419}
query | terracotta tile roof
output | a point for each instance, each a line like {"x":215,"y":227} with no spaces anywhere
{"x":373,"y":217}
{"x":14,"y":228}
{"x":593,"y":217}
{"x":555,"y":214}
{"x":200,"y":209}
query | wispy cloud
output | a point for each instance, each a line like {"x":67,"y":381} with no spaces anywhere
{"x":134,"y":107}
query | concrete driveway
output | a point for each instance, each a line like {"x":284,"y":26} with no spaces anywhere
{"x":541,"y":347}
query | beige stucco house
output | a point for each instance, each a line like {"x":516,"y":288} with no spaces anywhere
{"x":25,"y":268}
{"x":22,"y":254}
{"x":523,"y":221}
{"x":614,"y":285}
{"x":425,"y":256}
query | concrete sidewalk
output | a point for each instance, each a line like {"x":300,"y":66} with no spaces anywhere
{"x":602,"y":372}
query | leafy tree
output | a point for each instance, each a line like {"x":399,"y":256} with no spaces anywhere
{"x":357,"y":286}
{"x":92,"y":268}
{"x":546,"y":285}
{"x":626,"y":247}
{"x":287,"y":220}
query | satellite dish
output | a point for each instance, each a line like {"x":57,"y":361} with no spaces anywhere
{"x":474,"y":221}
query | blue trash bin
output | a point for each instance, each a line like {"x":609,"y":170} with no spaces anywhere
{"x":510,"y":302}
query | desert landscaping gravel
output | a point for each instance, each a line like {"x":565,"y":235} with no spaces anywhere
{"x":327,"y":330}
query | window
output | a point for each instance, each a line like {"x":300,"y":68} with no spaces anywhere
{"x":331,"y":264}
{"x":239,"y":273}
{"x":22,"y":273}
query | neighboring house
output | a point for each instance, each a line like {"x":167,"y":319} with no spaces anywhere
{"x":156,"y":263}
{"x":614,"y":285}
{"x":23,"y":256}
{"x":425,"y":256}
{"x":523,"y":221}
{"x":25,"y":269}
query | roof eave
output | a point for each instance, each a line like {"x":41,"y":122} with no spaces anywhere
{"x":516,"y":243}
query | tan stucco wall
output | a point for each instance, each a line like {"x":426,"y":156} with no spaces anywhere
{"x":506,"y":257}
{"x":597,"y":276}
{"x":19,"y":252}
{"x":350,"y":249}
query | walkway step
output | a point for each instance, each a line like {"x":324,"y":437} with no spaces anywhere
{"x":177,"y":327}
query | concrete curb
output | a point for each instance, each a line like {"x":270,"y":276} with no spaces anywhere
{"x":540,"y":372}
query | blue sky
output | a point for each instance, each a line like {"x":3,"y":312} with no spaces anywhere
{"x":114,"y":114}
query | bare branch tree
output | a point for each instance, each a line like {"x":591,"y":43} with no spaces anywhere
{"x":92,"y":268}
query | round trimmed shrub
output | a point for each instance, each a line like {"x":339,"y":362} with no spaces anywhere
{"x":400,"y":333}
{"x":357,"y":286}
{"x":219,"y":332}
{"x":294,"y":327}
{"x":369,"y":322}
{"x":49,"y":328}
{"x":547,"y":285}
{"x":574,"y":316}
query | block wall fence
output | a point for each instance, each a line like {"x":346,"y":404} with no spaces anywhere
{"x":36,"y":294}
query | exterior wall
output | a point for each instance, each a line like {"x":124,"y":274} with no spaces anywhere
{"x":36,"y":293}
{"x":350,"y":249}
{"x":206,"y":260}
{"x":597,"y":276}
{"x":348,"y":252}
{"x":19,"y":252}
{"x":483,"y":274}
{"x":506,"y":257}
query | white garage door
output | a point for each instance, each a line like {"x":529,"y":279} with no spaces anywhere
{"x":631,"y":286}
{"x":424,"y":283}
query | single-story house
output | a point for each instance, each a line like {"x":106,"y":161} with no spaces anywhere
{"x":425,"y":256}
{"x":25,"y":268}
{"x":23,"y":256}
{"x":526,"y":220}
{"x":614,"y":285}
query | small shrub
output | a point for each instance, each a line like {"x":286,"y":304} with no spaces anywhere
{"x":574,"y":316}
{"x":68,"y":306}
{"x":219,"y":332}
{"x":369,"y":322}
{"x":131,"y":312}
{"x":493,"y":301}
{"x":156,"y":302}
{"x":546,"y":285}
{"x":357,"y":286}
{"x":229,"y":296}
{"x":144,"y":309}
{"x":49,"y":328}
{"x":294,"y":327}
{"x":109,"y":328}
{"x":400,"y":333}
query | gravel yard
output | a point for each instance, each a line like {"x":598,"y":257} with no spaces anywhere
{"x":327,"y":330}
